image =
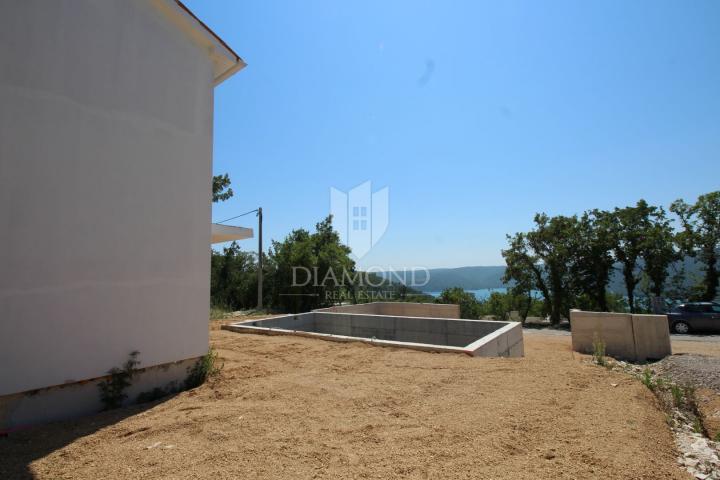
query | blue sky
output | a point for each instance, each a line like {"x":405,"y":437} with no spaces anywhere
{"x":475,"y":114}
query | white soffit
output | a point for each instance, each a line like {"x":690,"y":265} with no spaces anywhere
{"x":226,"y":233}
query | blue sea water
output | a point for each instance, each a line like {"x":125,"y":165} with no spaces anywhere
{"x":484,"y":293}
{"x":481,"y":294}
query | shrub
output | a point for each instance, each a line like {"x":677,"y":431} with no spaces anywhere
{"x":112,"y":390}
{"x":598,"y":350}
{"x":677,"y":395}
{"x":647,"y":379}
{"x":202,"y":370}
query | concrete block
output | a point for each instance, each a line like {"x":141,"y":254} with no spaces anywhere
{"x":487,"y":350}
{"x":515,"y":335}
{"x":635,"y":338}
{"x":614,"y":329}
{"x":652,"y":337}
{"x":517,"y":350}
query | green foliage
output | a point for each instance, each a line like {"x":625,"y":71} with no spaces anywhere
{"x":697,"y":426}
{"x":570,"y":260}
{"x":310,"y":270}
{"x":112,"y":390}
{"x":233,"y":279}
{"x":469,"y":306}
{"x":221,"y":190}
{"x":540,"y":260}
{"x":598,"y":350}
{"x":592,"y":261}
{"x":642,"y":237}
{"x":218,"y":313}
{"x":701,"y":236}
{"x":204,"y":368}
{"x":647,"y":379}
{"x":677,"y":395}
{"x":498,"y":305}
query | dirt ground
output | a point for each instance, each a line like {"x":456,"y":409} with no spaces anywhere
{"x":290,"y":407}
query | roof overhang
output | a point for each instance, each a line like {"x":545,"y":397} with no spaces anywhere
{"x":224,"y":59}
{"x":226,"y":233}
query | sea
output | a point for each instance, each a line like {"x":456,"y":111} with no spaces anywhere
{"x":481,"y":294}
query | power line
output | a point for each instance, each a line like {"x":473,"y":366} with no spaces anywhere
{"x":238,"y":216}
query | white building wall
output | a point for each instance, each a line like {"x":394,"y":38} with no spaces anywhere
{"x":105,"y":165}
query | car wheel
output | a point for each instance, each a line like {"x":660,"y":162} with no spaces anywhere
{"x":681,"y":327}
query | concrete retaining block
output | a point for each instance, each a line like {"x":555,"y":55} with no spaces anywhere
{"x":632,"y":337}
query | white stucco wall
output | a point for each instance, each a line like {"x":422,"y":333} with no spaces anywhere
{"x":105,"y":166}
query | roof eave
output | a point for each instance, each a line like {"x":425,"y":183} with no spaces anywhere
{"x":225,"y":61}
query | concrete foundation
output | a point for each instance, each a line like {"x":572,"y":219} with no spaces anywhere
{"x":632,"y":337}
{"x":76,"y":399}
{"x":472,"y":337}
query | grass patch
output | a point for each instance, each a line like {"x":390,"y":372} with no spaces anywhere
{"x":218,"y":313}
{"x":647,"y":379}
{"x":677,"y":395}
{"x":598,"y":351}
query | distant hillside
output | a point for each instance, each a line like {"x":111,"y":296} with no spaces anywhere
{"x":477,"y":278}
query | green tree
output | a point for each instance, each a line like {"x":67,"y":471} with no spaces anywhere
{"x":524,"y":275}
{"x":593,"y":262}
{"x":659,"y":251}
{"x":310,"y":270}
{"x":631,"y":226}
{"x":469,"y":306}
{"x":233,"y":278}
{"x":700,"y":236}
{"x":551,"y":240}
{"x":544,"y":258}
{"x":221,"y":190}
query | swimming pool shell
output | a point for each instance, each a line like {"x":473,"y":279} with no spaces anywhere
{"x":473,"y":337}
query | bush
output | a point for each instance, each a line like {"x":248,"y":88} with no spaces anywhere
{"x":598,"y":350}
{"x":112,"y":390}
{"x":202,"y":370}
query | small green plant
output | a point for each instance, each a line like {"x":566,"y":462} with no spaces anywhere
{"x":677,"y":395}
{"x":647,"y":379}
{"x":598,"y":350}
{"x":697,"y":425}
{"x":112,"y":390}
{"x":717,"y":437}
{"x":202,"y":370}
{"x":218,"y":313}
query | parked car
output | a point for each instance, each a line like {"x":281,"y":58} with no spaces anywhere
{"x":695,"y":317}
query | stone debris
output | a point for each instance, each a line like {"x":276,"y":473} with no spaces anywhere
{"x":700,"y":455}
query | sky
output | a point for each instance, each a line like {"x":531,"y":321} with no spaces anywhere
{"x":475,"y":115}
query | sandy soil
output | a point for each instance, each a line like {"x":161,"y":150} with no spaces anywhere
{"x":701,"y":346}
{"x":289,"y":407}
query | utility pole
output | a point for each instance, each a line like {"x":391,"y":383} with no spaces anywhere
{"x":260,"y":260}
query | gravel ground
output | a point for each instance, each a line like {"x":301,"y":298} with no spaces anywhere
{"x":290,"y":407}
{"x":700,"y":371}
